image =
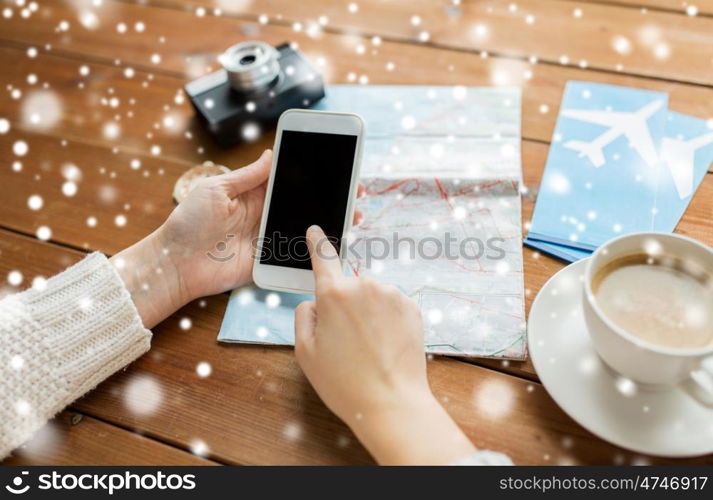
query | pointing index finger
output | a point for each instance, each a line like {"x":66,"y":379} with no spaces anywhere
{"x":325,"y":260}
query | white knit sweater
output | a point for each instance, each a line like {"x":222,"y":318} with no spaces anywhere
{"x":59,"y":342}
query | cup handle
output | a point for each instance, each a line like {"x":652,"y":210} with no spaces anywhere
{"x":703,"y":381}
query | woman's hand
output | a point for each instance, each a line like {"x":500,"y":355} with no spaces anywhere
{"x":203,"y":248}
{"x":361,"y":347}
{"x":210,"y":235}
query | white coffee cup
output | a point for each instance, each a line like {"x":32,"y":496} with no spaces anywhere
{"x":630,"y":356}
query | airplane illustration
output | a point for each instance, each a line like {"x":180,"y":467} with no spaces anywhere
{"x":680,"y":155}
{"x":632,"y":125}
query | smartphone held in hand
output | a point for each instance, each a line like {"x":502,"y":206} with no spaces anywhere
{"x":313,"y":181}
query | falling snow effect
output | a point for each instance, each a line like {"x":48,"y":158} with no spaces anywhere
{"x":35,"y":202}
{"x":204,"y":369}
{"x":44,"y":443}
{"x":626,"y":387}
{"x":494,"y":399}
{"x":251,"y":131}
{"x":272,"y":300}
{"x":39,"y":283}
{"x":69,"y":189}
{"x":143,"y":395}
{"x":22,"y":407}
{"x":199,"y":447}
{"x":71,"y":172}
{"x":17,"y":363}
{"x":41,"y":108}
{"x":44,"y":233}
{"x":111,"y":130}
{"x":292,"y":431}
{"x":14,"y":278}
{"x":20,"y":148}
{"x":4,"y":126}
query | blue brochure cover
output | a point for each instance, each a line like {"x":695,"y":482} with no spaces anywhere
{"x":686,"y":153}
{"x":568,"y":254}
{"x":603,"y":167}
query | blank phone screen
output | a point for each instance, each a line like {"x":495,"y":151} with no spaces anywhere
{"x":311,"y":186}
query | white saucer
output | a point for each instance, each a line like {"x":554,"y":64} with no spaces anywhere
{"x":664,"y":422}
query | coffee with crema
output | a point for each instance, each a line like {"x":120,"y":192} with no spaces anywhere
{"x":661,"y":300}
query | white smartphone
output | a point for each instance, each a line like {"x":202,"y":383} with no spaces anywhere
{"x":314,"y":177}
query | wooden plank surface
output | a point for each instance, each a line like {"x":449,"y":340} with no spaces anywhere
{"x":678,"y":46}
{"x":75,"y":439}
{"x":102,"y":197}
{"x":257,"y":408}
{"x":185,"y":56}
{"x":701,"y":7}
{"x":108,"y":188}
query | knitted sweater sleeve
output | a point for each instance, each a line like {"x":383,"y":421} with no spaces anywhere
{"x":59,"y":342}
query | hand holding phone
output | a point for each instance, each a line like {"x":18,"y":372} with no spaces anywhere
{"x":313,"y":181}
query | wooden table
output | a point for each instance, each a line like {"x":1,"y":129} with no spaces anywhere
{"x":107,"y":82}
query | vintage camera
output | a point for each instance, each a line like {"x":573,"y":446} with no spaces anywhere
{"x":257,"y":83}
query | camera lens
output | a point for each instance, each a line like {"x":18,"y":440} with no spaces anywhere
{"x":247,"y":60}
{"x":251,"y":66}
